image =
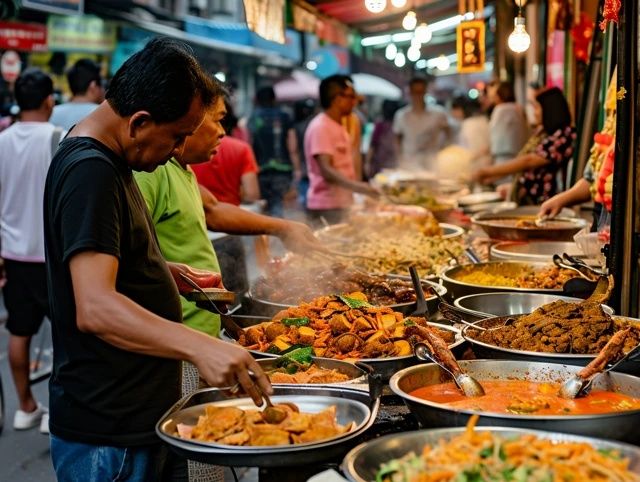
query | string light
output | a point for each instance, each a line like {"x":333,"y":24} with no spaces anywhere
{"x":413,"y":54}
{"x":398,"y":3}
{"x":519,"y":40}
{"x":410,"y":20}
{"x":400,"y":60}
{"x":391,"y":51}
{"x":443,"y":63}
{"x":423,"y":33}
{"x":375,"y":6}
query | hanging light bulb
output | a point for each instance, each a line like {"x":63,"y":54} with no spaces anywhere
{"x":391,"y":51}
{"x":375,"y":6}
{"x":410,"y":20}
{"x":416,"y":43}
{"x":423,"y":33}
{"x":443,"y":63}
{"x":413,"y":54}
{"x":400,"y":60}
{"x":519,"y":39}
{"x":398,"y":3}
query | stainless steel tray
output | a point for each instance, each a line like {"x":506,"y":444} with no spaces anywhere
{"x":352,"y":405}
{"x":449,"y":231}
{"x":618,"y":425}
{"x":355,"y":374}
{"x":385,"y":367}
{"x":363,"y":462}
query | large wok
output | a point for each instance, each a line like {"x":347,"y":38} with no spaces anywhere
{"x":352,"y":405}
{"x":621,"y":426}
{"x":266,"y":307}
{"x":486,"y":350}
{"x":385,"y":367}
{"x":457,"y":288}
{"x":363,"y":462}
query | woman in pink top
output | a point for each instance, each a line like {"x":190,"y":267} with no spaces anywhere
{"x":328,"y":155}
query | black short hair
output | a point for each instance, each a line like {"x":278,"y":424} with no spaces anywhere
{"x":420,"y":80}
{"x":162,"y":79}
{"x":80,"y":76}
{"x":32,"y":87}
{"x":505,"y":92}
{"x":265,"y":96}
{"x":332,"y":86}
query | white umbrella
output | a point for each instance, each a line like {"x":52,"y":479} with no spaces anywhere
{"x":374,"y":86}
{"x":301,"y":85}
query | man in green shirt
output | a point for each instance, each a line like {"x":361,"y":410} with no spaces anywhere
{"x":175,"y":202}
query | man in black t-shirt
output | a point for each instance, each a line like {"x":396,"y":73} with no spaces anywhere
{"x":115,"y":308}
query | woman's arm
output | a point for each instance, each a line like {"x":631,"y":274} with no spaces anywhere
{"x":487,"y":175}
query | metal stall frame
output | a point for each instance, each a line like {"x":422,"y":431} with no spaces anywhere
{"x":622,"y":255}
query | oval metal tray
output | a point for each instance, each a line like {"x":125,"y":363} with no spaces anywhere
{"x":363,"y":462}
{"x":352,"y":405}
{"x":355,"y":374}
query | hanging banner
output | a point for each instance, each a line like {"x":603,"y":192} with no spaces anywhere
{"x":80,"y":34}
{"x":27,"y":37}
{"x":68,"y":7}
{"x":303,"y":19}
{"x":470,"y":46}
{"x":266,"y":18}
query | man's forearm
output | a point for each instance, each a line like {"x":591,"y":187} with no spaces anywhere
{"x":227,"y":218}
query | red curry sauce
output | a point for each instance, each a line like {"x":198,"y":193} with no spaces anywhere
{"x":527,"y":398}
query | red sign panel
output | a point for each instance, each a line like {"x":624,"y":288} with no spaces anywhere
{"x":23,"y":36}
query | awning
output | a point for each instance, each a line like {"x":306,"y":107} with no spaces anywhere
{"x":301,"y":85}
{"x":374,"y":86}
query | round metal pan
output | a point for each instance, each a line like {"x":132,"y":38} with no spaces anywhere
{"x":449,"y":231}
{"x":513,"y":233}
{"x":486,"y":350}
{"x":618,"y":426}
{"x":385,"y":367}
{"x":355,"y":374}
{"x":363,"y":462}
{"x":352,"y":405}
{"x":458,"y":289}
{"x":488,"y":305}
{"x":270,"y":308}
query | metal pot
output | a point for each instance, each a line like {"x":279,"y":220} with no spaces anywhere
{"x":363,"y":462}
{"x":384,"y":367}
{"x":271,"y":308}
{"x":485,"y":350}
{"x":489,"y":305}
{"x":352,"y":405}
{"x":457,"y":289}
{"x":618,"y":426}
{"x":533,"y":251}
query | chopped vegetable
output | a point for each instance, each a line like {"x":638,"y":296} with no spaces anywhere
{"x":354,"y":303}
{"x":295,"y":321}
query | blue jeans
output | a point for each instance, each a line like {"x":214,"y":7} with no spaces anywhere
{"x":79,"y":462}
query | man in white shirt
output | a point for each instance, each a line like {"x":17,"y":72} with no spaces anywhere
{"x":25,"y":154}
{"x":420,"y":131}
{"x":85,"y":83}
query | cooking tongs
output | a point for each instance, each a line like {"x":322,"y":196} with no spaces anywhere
{"x":227,"y":321}
{"x":572,"y":263}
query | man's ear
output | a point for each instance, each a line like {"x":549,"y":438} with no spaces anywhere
{"x":137,"y":121}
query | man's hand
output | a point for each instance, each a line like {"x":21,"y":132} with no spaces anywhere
{"x":223,"y":364}
{"x":298,"y":237}
{"x":551,"y":207}
{"x":203,"y":278}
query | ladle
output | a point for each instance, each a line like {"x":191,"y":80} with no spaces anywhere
{"x":577,"y":386}
{"x":271,"y":413}
{"x":465,"y":382}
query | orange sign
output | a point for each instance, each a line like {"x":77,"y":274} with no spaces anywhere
{"x":470,"y":46}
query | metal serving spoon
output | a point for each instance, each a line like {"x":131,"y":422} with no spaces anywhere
{"x":465,"y":382}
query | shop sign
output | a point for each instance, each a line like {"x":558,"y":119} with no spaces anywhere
{"x":10,"y":66}
{"x":80,"y":34}
{"x":23,"y":36}
{"x":68,"y":7}
{"x":470,"y":46}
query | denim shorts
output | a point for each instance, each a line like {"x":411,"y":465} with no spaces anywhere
{"x":79,"y":462}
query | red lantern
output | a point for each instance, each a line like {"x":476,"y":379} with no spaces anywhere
{"x":582,"y":33}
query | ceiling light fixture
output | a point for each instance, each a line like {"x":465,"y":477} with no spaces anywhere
{"x":423,"y":33}
{"x":375,"y":6}
{"x":443,"y":63}
{"x":519,"y":40}
{"x":410,"y":20}
{"x":391,"y":51}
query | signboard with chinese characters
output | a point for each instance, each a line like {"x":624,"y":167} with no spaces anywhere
{"x":26,"y":37}
{"x":80,"y":34}
{"x":68,"y":7}
{"x":470,"y":46}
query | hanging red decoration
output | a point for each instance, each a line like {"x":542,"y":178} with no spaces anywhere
{"x":610,"y":12}
{"x":582,"y":33}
